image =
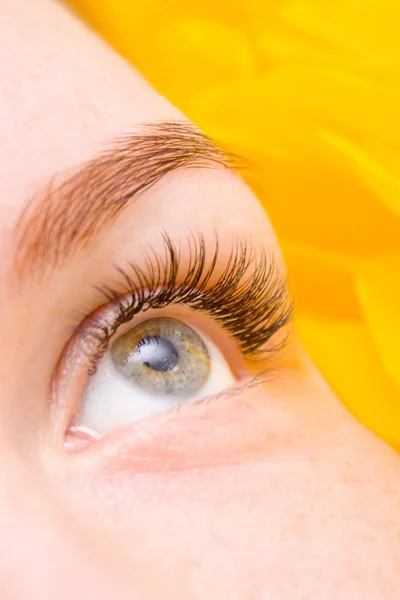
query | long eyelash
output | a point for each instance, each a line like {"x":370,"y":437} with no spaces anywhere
{"x":249,"y":298}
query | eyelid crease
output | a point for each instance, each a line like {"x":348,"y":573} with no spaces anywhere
{"x":250,"y":297}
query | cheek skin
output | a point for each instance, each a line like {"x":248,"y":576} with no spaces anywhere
{"x":296,"y":501}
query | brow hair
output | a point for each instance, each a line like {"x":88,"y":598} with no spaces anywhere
{"x":71,"y":215}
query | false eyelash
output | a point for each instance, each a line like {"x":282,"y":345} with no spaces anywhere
{"x":250,"y":298}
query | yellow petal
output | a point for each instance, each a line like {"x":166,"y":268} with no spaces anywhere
{"x":199,"y":53}
{"x":367,"y":31}
{"x":128,"y":26}
{"x":284,"y":40}
{"x":322,"y":281}
{"x":280,"y":45}
{"x":379,"y":294}
{"x":385,"y":184}
{"x":132,"y":26}
{"x":348,"y":359}
{"x":306,"y":98}
{"x":312,"y":193}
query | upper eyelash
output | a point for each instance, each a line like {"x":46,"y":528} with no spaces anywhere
{"x":250,"y":298}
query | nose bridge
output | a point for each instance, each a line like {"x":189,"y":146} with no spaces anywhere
{"x":41,"y":552}
{"x":29,"y":533}
{"x":23,"y":410}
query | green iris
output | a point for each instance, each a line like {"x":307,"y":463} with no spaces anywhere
{"x":162,"y":356}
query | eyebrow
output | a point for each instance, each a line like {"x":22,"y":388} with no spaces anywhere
{"x":70,"y":216}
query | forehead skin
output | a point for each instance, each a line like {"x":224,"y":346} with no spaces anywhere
{"x":283,"y":496}
{"x":59,"y":105}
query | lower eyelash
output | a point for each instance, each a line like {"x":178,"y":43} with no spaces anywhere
{"x":250,"y":297}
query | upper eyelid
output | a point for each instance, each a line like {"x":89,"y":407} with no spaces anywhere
{"x":53,"y":228}
{"x":249,"y":295}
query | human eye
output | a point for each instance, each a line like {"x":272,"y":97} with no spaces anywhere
{"x":179,"y":326}
{"x":156,"y":364}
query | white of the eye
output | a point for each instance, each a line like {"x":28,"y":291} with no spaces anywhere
{"x":111,"y":399}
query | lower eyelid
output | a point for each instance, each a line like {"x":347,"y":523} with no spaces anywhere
{"x":218,"y":430}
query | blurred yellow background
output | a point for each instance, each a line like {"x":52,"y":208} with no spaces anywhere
{"x":309,"y":91}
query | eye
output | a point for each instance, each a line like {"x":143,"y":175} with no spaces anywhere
{"x":163,"y":356}
{"x":154,"y":365}
{"x":201,"y":309}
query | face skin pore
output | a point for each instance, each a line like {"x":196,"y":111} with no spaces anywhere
{"x":271,"y":492}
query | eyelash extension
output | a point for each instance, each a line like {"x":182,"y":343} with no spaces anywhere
{"x":250,"y":298}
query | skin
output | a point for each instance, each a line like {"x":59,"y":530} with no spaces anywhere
{"x":274,"y":493}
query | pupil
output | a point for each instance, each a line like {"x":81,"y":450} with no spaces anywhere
{"x":158,"y":354}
